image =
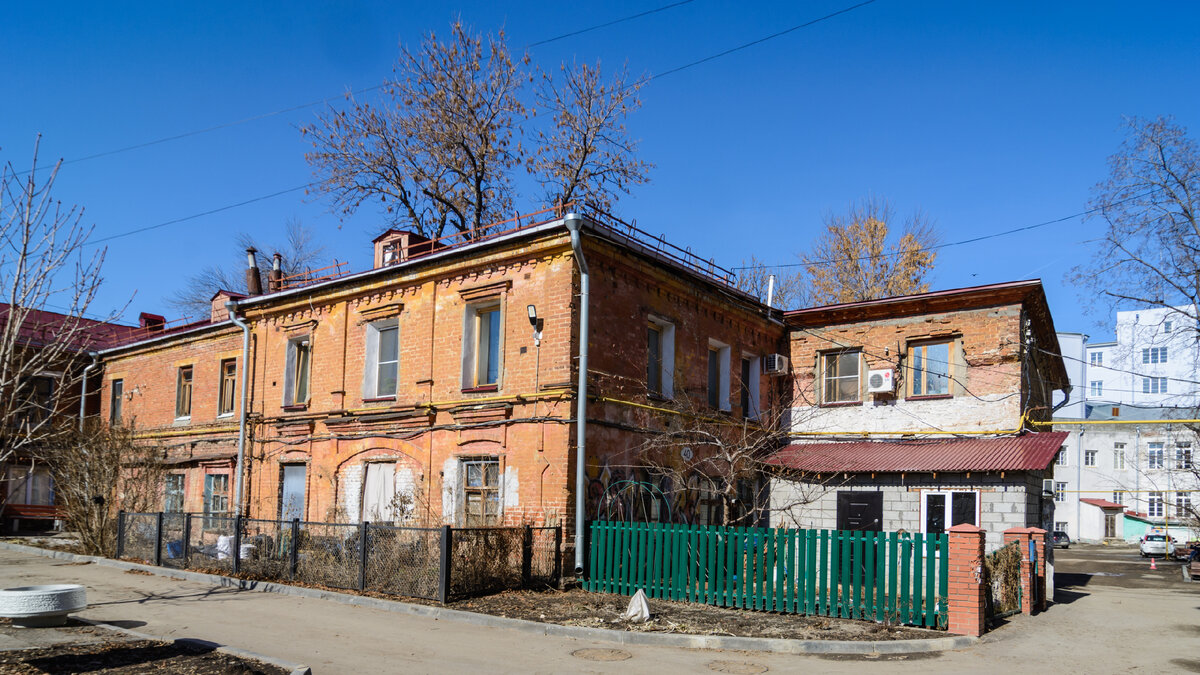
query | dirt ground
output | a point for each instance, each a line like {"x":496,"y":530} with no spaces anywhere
{"x":82,"y":648}
{"x":601,"y":610}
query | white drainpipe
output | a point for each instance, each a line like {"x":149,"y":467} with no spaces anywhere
{"x":575,"y":226}
{"x":242,"y":372}
{"x":83,"y":388}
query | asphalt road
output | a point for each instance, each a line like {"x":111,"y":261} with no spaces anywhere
{"x":1090,"y":566}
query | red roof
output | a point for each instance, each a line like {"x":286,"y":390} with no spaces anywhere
{"x":1103,"y":503}
{"x":1028,"y":452}
{"x":41,"y":327}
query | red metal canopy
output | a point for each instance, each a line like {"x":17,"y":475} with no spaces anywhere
{"x":1027,"y":452}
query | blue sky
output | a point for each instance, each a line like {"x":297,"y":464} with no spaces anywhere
{"x":985,"y":115}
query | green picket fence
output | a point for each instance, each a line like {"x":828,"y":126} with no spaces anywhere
{"x":878,"y":576}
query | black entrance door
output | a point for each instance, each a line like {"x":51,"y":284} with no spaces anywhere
{"x":860,"y":511}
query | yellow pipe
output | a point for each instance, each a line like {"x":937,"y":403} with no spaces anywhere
{"x":488,"y":399}
{"x":1067,"y":424}
{"x":186,"y":432}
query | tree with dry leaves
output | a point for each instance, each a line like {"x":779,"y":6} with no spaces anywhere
{"x":1149,"y":253}
{"x":588,"y":156}
{"x":438,"y":151}
{"x":855,"y":259}
{"x":49,"y":281}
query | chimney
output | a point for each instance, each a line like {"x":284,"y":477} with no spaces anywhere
{"x":253,"y":280}
{"x":151,"y":322}
{"x":275,"y":276}
{"x":395,"y":246}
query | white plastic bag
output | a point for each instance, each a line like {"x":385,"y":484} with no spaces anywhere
{"x":639,"y":609}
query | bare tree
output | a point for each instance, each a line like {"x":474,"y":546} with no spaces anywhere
{"x":789,"y":292}
{"x":98,"y":470}
{"x":49,"y":281}
{"x":588,"y":157}
{"x":299,"y":252}
{"x":438,"y":152}
{"x":1149,"y":254}
{"x":854,"y":259}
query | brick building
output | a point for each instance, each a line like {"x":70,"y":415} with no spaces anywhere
{"x":915,"y":412}
{"x":441,"y":385}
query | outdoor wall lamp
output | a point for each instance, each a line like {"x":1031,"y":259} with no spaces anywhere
{"x":537,"y":325}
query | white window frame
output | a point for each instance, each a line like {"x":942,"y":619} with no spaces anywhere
{"x":1063,"y":458}
{"x":666,"y":332}
{"x":1096,"y":358}
{"x":181,"y":414}
{"x":1119,"y":456}
{"x":1154,"y":385}
{"x":1089,"y":458}
{"x":1183,"y":455}
{"x":471,"y":343}
{"x":167,"y":492}
{"x":753,"y":386}
{"x":949,"y":505}
{"x":723,"y":353}
{"x":836,"y":355}
{"x":1154,"y":499}
{"x":1118,"y":497}
{"x":1097,"y":388}
{"x":289,"y":372}
{"x":371,"y":362}
{"x":1152,"y":450}
{"x":221,"y":392}
{"x":1060,"y":491}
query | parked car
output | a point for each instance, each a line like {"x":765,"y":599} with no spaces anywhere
{"x":1157,"y":545}
{"x":1060,"y":539}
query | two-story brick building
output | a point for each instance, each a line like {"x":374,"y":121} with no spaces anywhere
{"x":441,"y":385}
{"x":913,"y":413}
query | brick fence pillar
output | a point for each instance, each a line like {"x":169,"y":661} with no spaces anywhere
{"x":966,"y":599}
{"x":1038,"y":535}
{"x":1021,"y":535}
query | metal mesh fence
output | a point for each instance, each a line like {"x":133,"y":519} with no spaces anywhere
{"x":140,"y":536}
{"x":404,"y":561}
{"x":485,"y":560}
{"x":328,"y":555}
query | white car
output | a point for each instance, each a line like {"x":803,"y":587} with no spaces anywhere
{"x":1157,"y":545}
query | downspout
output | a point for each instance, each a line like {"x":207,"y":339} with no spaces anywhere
{"x":575,"y":225}
{"x":83,"y":387}
{"x":242,"y":372}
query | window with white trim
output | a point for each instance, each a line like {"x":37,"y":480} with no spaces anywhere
{"x":1155,"y":508}
{"x":483,"y":345}
{"x":1096,"y":358}
{"x":1089,"y":458}
{"x":1183,"y":505}
{"x":1097,"y":388}
{"x":173,"y":493}
{"x":751,"y":374}
{"x":929,"y":369}
{"x":1154,"y":385}
{"x":1154,"y":355}
{"x":1183,"y":455}
{"x":1154,"y":456}
{"x":660,"y":357}
{"x":116,"y":401}
{"x":382,"y":370}
{"x":227,"y":394}
{"x":1062,"y":459}
{"x":1118,"y":455}
{"x":1118,"y":496}
{"x":1060,"y":492}
{"x":296,"y":371}
{"x":718,"y":375}
{"x":840,"y":377}
{"x":216,"y":497}
{"x":944,"y":509}
{"x":183,"y":392}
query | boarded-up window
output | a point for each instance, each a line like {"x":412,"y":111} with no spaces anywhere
{"x":379,"y":492}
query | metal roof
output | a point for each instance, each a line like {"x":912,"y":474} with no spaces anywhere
{"x":1103,"y":503}
{"x":1028,"y":452}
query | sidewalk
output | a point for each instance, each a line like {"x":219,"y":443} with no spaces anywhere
{"x":1111,"y":630}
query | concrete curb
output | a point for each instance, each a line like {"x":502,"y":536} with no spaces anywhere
{"x":295,"y":668}
{"x":773,"y":645}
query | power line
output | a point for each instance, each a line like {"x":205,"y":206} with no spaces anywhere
{"x":607,"y":24}
{"x":961,"y":242}
{"x":198,"y":215}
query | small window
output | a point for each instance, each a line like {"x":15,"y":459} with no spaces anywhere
{"x":1060,"y":525}
{"x":228,"y":392}
{"x":1183,"y":455}
{"x":1167,"y":325}
{"x":718,"y":375}
{"x":482,"y":346}
{"x":183,"y":392}
{"x":1060,"y":492}
{"x":173,"y":493}
{"x":216,"y":498}
{"x":481,"y":492}
{"x":751,"y":373}
{"x":943,"y":510}
{"x":382,"y":359}
{"x":1062,"y":457}
{"x":1154,"y":456}
{"x":929,"y":369}
{"x":1155,"y":509}
{"x":1097,"y":388}
{"x":1183,"y":505}
{"x":1154,"y":355}
{"x":116,"y":401}
{"x":1096,"y":358}
{"x":296,"y":375}
{"x":840,"y":378}
{"x":1089,"y":458}
{"x":1118,"y":496}
{"x":660,"y":358}
{"x":1118,"y":455}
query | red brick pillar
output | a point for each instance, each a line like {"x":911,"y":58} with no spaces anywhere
{"x":966,"y":580}
{"x":1021,"y":535}
{"x":1038,"y":535}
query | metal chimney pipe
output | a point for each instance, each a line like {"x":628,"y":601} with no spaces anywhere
{"x":253,"y":280}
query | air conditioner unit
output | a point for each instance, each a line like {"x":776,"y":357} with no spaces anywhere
{"x":775,"y":364}
{"x":1048,"y":486}
{"x":880,"y":381}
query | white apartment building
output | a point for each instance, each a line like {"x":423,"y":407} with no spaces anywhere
{"x":1128,"y":466}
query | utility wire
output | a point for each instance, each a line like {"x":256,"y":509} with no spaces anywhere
{"x":972,"y":240}
{"x":607,"y":24}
